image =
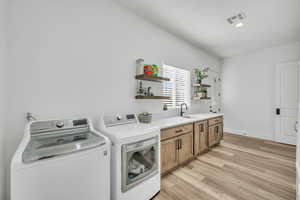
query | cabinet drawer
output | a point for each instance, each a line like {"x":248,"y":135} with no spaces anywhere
{"x":167,"y":133}
{"x":179,"y":130}
{"x":214,"y":121}
{"x":183,"y":129}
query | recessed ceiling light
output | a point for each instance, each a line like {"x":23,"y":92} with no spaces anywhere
{"x":240,"y":24}
{"x":236,"y":20}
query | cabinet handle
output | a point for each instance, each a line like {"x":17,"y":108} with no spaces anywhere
{"x":180,"y":142}
{"x":177,"y":144}
{"x":178,"y":130}
{"x":201,"y":128}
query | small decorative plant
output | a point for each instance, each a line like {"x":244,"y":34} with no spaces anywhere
{"x":201,"y":74}
{"x":202,"y":92}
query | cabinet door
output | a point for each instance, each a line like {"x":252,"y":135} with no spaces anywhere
{"x":200,"y":137}
{"x":186,"y":147}
{"x":197,"y":133}
{"x":204,"y":139}
{"x":219,"y":133}
{"x":212,"y":135}
{"x":168,"y":154}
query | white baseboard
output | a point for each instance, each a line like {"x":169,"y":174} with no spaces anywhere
{"x":245,"y":133}
{"x":238,"y":132}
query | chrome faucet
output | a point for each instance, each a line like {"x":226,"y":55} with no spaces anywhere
{"x":186,"y":108}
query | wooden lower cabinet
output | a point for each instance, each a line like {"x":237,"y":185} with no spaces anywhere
{"x":185,"y":147}
{"x":182,"y":143}
{"x":168,"y":154}
{"x":176,"y":151}
{"x":200,"y":137}
{"x":215,"y":134}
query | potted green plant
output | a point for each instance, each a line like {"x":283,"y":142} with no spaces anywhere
{"x":202,"y":93}
{"x":201,"y":74}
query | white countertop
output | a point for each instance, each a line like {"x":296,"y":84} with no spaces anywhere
{"x":128,"y":131}
{"x":176,"y":121}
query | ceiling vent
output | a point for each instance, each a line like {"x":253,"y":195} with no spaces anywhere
{"x":237,"y":20}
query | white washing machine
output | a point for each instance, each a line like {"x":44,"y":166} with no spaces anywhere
{"x":61,"y":160}
{"x":135,"y":162}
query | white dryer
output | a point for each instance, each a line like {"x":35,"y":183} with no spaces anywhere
{"x":61,"y":159}
{"x":135,"y":162}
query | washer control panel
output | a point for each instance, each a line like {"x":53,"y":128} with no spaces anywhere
{"x":40,"y":127}
{"x":60,"y":124}
{"x":119,"y":118}
{"x":116,"y":120}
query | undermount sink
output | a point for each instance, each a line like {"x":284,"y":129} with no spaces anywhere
{"x":188,"y":116}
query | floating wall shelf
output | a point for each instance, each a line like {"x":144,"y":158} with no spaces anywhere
{"x":151,"y":97}
{"x":201,"y":85}
{"x":151,"y":78}
{"x":201,"y":98}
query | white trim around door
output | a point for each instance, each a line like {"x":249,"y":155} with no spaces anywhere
{"x":287,"y":97}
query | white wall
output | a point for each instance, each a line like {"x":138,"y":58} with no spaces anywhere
{"x":2,"y":93}
{"x":76,"y":58}
{"x":249,"y":90}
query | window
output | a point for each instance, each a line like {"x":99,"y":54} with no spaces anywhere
{"x":178,"y":86}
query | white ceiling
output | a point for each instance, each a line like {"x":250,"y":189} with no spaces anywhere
{"x":203,"y":22}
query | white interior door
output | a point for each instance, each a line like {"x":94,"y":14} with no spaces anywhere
{"x":287,"y":98}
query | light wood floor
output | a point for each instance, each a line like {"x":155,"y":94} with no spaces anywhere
{"x":241,"y":168}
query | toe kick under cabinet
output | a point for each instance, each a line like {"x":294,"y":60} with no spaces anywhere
{"x":181,"y":144}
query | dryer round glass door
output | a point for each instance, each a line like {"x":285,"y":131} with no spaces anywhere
{"x":139,"y":162}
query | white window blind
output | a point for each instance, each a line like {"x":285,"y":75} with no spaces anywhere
{"x":178,"y":86}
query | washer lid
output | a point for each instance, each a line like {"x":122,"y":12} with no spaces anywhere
{"x":39,"y":149}
{"x":59,"y":137}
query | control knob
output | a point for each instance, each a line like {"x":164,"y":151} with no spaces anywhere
{"x":60,"y":124}
{"x":119,"y":118}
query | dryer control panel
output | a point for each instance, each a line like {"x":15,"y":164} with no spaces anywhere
{"x":116,"y":120}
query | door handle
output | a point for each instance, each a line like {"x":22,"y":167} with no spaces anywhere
{"x":296,"y":126}
{"x":277,"y":111}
